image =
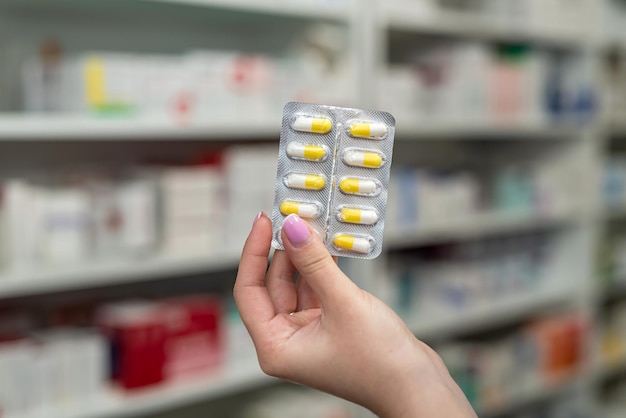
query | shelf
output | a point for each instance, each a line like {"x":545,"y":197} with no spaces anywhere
{"x":408,"y":130}
{"x":170,"y":396}
{"x":19,"y":127}
{"x":47,"y":279}
{"x":308,"y":9}
{"x":403,"y":17}
{"x":484,"y":225}
{"x":496,"y":313}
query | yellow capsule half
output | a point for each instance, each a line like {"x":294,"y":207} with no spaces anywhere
{"x":302,"y":209}
{"x":312,"y":124}
{"x":300,"y":151}
{"x":367,"y":159}
{"x":351,"y":185}
{"x":368,"y":130}
{"x":305,"y":181}
{"x":352,"y":243}
{"x":358,"y":216}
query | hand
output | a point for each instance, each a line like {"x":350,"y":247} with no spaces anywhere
{"x":323,"y":331}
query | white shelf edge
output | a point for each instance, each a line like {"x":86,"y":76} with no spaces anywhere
{"x":47,"y":279}
{"x":616,"y":289}
{"x":613,"y":212}
{"x":85,"y":128}
{"x":610,"y":368}
{"x":309,"y":9}
{"x":171,"y":395}
{"x":498,"y":312}
{"x":617,"y":128}
{"x":537,"y":396}
{"x":404,"y":18}
{"x":474,"y":227}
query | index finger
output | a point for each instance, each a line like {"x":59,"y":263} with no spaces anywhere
{"x":251,"y":295}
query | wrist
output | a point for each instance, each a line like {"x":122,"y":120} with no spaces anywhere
{"x":422,"y":389}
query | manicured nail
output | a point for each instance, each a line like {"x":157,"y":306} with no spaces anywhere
{"x":296,"y":230}
{"x":257,"y":217}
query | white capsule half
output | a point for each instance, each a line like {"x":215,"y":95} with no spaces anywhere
{"x":298,"y":151}
{"x":305,"y":181}
{"x":312,"y":124}
{"x":352,"y":243}
{"x":368,"y":130}
{"x":358,"y":216}
{"x":367,"y":159}
{"x":302,"y":209}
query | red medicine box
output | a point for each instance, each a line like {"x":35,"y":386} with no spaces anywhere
{"x":136,"y":333}
{"x":194,"y":342}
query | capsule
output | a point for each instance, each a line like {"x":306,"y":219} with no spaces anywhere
{"x":305,"y":181}
{"x":365,"y":187}
{"x":312,"y":124}
{"x":368,"y":130}
{"x":358,"y":216}
{"x":304,"y":210}
{"x":300,"y":151}
{"x":352,"y":243}
{"x":367,"y":159}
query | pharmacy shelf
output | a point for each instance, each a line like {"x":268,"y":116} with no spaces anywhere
{"x":109,"y":272}
{"x":165,"y":397}
{"x":307,"y":9}
{"x":20,"y":127}
{"x":403,"y":17}
{"x":479,"y":226}
{"x":498,"y":312}
{"x":410,"y":129}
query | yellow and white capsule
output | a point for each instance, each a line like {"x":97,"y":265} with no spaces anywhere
{"x":368,"y":130}
{"x":302,"y":209}
{"x":300,"y":151}
{"x":360,"y":216}
{"x":367,"y":159}
{"x":312,"y":124}
{"x":363,"y":187}
{"x":305,"y":181}
{"x":352,"y":243}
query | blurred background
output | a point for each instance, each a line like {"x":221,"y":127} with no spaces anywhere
{"x":138,"y":139}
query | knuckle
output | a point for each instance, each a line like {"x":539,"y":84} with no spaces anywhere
{"x":313,"y":264}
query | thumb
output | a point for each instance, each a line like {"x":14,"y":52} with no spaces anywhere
{"x":315,"y":264}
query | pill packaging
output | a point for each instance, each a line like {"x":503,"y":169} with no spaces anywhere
{"x":333,"y":171}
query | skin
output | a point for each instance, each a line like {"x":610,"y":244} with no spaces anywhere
{"x":327,"y":333}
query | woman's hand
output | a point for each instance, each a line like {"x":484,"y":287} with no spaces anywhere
{"x":324,"y":332}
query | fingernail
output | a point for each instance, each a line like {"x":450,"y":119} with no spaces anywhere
{"x":257,"y":217}
{"x":296,"y":230}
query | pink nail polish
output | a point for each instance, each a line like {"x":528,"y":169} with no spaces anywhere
{"x":296,"y":229}
{"x":257,"y":217}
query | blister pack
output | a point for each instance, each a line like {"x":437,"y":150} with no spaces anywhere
{"x":333,"y":171}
